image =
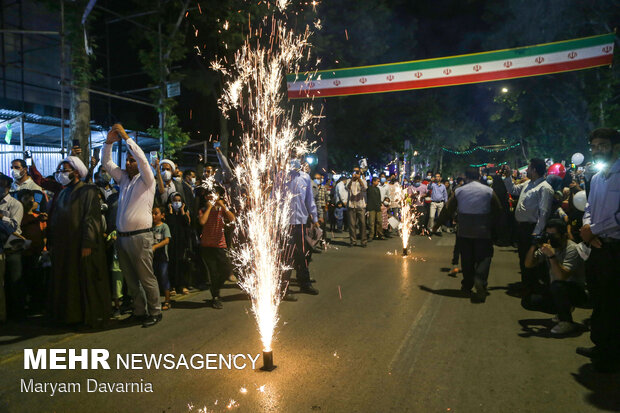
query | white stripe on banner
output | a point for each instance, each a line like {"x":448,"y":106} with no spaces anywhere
{"x":425,"y":74}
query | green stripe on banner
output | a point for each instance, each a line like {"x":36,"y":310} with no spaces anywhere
{"x":525,"y":51}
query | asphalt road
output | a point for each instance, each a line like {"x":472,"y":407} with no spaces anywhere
{"x":385,"y":334}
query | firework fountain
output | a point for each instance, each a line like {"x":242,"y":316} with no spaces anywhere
{"x":408,"y":216}
{"x":255,"y":91}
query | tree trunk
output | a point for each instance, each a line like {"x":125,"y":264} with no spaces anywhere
{"x":80,"y":120}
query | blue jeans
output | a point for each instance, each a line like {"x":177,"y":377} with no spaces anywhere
{"x":160,"y":268}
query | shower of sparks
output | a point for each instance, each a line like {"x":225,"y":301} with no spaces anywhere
{"x":254,"y":88}
{"x":408,"y":217}
{"x":243,"y":390}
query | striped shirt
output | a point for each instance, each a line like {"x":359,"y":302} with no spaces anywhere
{"x":213,"y":230}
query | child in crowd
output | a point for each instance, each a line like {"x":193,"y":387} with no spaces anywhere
{"x":212,"y":217}
{"x":339,"y":214}
{"x":161,"y":239}
{"x":178,"y":220}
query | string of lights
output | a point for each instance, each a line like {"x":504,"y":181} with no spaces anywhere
{"x":481,"y":148}
{"x":486,"y":163}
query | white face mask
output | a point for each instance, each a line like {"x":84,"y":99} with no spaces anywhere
{"x":16,"y":174}
{"x":176,"y":205}
{"x":166,"y":175}
{"x":62,"y":178}
{"x":192,"y":181}
{"x":490,"y":182}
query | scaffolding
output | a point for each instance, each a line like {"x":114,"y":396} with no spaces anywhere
{"x":27,"y":83}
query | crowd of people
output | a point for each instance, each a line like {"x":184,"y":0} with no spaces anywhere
{"x":83,"y":246}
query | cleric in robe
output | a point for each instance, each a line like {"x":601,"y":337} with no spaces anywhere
{"x":80,"y":292}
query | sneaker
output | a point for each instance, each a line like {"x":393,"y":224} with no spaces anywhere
{"x":563,"y":327}
{"x":117,"y":313}
{"x":152,"y":320}
{"x":217,"y":303}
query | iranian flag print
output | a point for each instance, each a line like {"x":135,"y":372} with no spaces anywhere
{"x":526,"y":61}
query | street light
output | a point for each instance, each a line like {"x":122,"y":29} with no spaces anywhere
{"x":504,"y":90}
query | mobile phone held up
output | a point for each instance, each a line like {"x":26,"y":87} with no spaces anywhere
{"x":216,"y":145}
{"x":153,"y":156}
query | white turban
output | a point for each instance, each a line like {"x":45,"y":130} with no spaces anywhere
{"x":169,"y":162}
{"x":77,"y":165}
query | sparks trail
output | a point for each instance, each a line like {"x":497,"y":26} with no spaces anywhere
{"x":255,"y":91}
{"x":408,"y":216}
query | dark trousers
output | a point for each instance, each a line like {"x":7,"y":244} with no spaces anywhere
{"x":296,"y":256}
{"x":558,"y":299}
{"x":476,"y":255}
{"x":15,"y":286}
{"x":376,"y":224}
{"x":529,"y":276}
{"x":218,"y":265}
{"x":603,"y":269}
{"x":455,"y":252}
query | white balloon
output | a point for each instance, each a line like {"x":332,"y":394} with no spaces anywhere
{"x":577,"y":158}
{"x":579,"y":200}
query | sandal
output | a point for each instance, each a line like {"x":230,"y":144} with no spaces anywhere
{"x":185,"y":291}
{"x":173,"y":292}
{"x":165,"y":306}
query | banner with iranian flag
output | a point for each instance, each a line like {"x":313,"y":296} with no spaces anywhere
{"x":526,"y":61}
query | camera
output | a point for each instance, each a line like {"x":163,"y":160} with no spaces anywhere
{"x":540,"y":239}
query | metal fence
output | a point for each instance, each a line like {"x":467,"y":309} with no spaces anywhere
{"x":45,"y":158}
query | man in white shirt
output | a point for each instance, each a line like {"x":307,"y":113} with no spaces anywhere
{"x":21,"y":179}
{"x":134,"y":220}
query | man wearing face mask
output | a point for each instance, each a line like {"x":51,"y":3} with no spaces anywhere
{"x":166,"y":185}
{"x":21,"y":179}
{"x":303,"y":208}
{"x":133,"y":224}
{"x":383,"y":186}
{"x":601,"y":229}
{"x":356,"y":189}
{"x":566,"y":276}
{"x":79,"y":283}
{"x":531,"y":213}
{"x":11,"y":214}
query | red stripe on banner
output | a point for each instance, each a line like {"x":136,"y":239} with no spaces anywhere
{"x":456,"y":80}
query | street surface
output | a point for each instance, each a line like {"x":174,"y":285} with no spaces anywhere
{"x":386,"y":334}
